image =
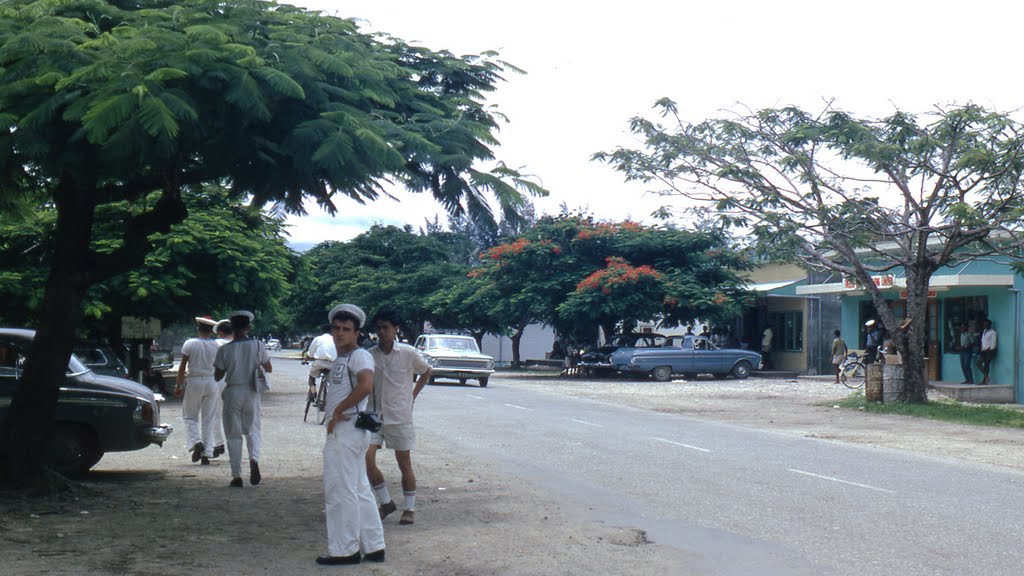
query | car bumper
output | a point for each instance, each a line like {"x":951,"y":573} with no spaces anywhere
{"x":460,"y":373}
{"x":158,"y":434}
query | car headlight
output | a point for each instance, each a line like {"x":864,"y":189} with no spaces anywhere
{"x":432,"y":361}
{"x":489,"y":364}
{"x":632,"y":360}
{"x":143,"y":413}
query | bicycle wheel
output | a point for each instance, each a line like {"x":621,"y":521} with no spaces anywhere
{"x":853,"y":375}
{"x":321,"y":402}
{"x":309,"y":402}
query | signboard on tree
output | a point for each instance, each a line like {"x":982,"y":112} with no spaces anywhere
{"x":135,"y":327}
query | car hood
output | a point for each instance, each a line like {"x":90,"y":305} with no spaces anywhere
{"x":99,"y":382}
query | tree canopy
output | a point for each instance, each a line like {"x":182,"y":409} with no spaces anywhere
{"x":855,"y":196}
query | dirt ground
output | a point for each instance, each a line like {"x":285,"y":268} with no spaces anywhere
{"x":155,"y":513}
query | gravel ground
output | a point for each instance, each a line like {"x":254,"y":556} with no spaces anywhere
{"x":153,"y":512}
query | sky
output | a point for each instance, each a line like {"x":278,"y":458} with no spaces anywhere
{"x":592,"y":66}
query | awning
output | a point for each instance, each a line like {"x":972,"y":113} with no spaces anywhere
{"x":769,"y":286}
{"x":937,"y":281}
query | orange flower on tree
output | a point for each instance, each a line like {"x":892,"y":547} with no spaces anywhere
{"x":617,"y":274}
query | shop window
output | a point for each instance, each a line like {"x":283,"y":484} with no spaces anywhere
{"x":788,"y":330}
{"x":972,"y":310}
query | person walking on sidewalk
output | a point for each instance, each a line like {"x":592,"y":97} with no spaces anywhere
{"x":989,"y":345}
{"x":199,"y":390}
{"x":353,"y":522}
{"x":395,"y":388}
{"x":236,"y":364}
{"x":966,"y":351}
{"x":839,"y":351}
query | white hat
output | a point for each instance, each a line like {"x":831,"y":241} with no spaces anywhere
{"x":223,"y":324}
{"x":206,"y":320}
{"x":245,"y":313}
{"x":869,"y":323}
{"x":351,"y":309}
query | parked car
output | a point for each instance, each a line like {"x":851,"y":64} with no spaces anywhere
{"x":597,"y":362}
{"x":273,"y":344}
{"x":688,"y":355}
{"x":455,"y":357}
{"x":95,"y":414}
{"x":100,"y":359}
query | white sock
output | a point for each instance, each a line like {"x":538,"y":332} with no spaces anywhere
{"x":410,"y":500}
{"x":382,"y":493}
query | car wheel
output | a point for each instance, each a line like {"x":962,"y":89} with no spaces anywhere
{"x":741,"y":370}
{"x":483,"y":382}
{"x":73,"y":450}
{"x":662,"y":373}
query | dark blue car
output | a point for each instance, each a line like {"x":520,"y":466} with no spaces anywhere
{"x":688,"y":355}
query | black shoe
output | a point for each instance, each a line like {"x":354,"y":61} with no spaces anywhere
{"x":254,"y":473}
{"x":217,"y":451}
{"x":338,"y":560}
{"x":235,"y":483}
{"x":197,"y":451}
{"x":387,"y":508}
{"x":377,"y":556}
{"x":204,"y":461}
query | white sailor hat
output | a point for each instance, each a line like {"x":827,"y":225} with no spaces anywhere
{"x":245,"y":313}
{"x":206,"y":320}
{"x":224,"y":324}
{"x":869,"y":323}
{"x":351,"y":309}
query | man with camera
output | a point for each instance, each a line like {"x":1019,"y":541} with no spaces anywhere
{"x":395,"y":387}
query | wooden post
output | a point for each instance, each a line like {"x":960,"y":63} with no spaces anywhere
{"x":873,"y":386}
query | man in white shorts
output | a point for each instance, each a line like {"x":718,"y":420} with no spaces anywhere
{"x":395,"y":387}
{"x":321,"y":355}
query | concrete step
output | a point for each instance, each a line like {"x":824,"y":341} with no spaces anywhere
{"x":985,"y":394}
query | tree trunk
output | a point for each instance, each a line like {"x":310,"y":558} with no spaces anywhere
{"x":912,"y":343}
{"x":516,"y":338}
{"x":35,"y":400}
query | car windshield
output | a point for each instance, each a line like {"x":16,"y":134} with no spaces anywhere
{"x":453,"y":344}
{"x":75,"y":366}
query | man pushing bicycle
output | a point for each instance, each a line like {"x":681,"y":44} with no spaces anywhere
{"x":321,"y":355}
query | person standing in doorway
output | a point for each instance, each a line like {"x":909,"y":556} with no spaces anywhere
{"x":989,"y":345}
{"x":353,"y":521}
{"x":236,"y":364}
{"x":199,"y":390}
{"x":766,"y":348}
{"x":395,"y":388}
{"x":966,"y":351}
{"x":839,"y":351}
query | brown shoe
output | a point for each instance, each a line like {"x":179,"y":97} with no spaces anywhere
{"x":387,"y":508}
{"x":407,"y":518}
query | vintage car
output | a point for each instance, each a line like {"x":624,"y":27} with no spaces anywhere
{"x":455,"y":357}
{"x":688,"y":355}
{"x":100,"y":359}
{"x":95,"y":414}
{"x":597,"y":362}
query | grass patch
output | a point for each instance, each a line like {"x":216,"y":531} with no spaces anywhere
{"x":945,"y":410}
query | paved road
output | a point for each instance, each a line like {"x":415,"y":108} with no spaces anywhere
{"x":740,"y":501}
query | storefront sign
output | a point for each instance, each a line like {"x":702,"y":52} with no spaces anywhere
{"x":931,"y":294}
{"x":883,"y":281}
{"x":135,"y":327}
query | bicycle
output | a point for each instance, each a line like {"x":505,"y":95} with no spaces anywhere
{"x":318,"y":398}
{"x":852,"y":372}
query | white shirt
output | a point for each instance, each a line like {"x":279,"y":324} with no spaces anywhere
{"x":989,"y":339}
{"x":340,"y":385}
{"x":201,"y":353}
{"x":322,"y":348}
{"x":394,"y":380}
{"x":238,"y":360}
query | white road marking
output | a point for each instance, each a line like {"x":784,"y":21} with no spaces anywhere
{"x":520,"y":407}
{"x":477,"y":397}
{"x":681,"y":444}
{"x":585,"y":422}
{"x":841,"y":481}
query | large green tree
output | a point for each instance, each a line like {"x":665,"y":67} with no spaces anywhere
{"x":855,"y":196}
{"x":111,"y":101}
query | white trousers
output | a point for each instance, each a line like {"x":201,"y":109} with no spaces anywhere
{"x":199,"y":406}
{"x":218,"y":412}
{"x":353,"y":522}
{"x":242,"y":419}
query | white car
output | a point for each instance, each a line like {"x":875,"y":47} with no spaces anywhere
{"x":455,"y":357}
{"x":273,"y":344}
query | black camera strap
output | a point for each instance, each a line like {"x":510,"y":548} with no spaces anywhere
{"x":352,"y":383}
